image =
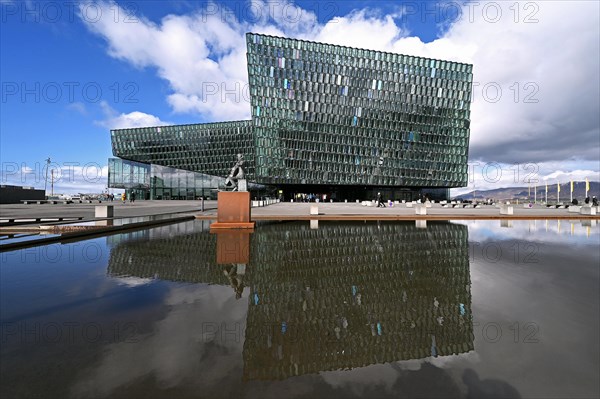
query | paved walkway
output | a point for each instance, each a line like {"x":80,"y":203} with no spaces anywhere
{"x":281,"y":211}
{"x":138,"y":208}
{"x":139,"y":215}
{"x":28,"y":232}
{"x":341,"y":211}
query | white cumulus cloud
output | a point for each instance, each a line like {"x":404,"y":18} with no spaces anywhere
{"x":115,"y":120}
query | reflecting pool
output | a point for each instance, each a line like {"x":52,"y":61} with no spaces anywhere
{"x":297,"y":309}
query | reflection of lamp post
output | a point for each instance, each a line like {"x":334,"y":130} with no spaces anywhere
{"x":46,"y":179}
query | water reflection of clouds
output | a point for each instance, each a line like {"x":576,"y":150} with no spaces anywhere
{"x":572,"y":232}
{"x":540,"y":314}
{"x":132,"y":281}
{"x":388,"y":375}
{"x":182,"y":348}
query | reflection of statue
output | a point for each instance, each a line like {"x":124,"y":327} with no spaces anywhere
{"x":236,"y":279}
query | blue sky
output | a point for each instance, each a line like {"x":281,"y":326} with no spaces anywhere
{"x":70,"y":71}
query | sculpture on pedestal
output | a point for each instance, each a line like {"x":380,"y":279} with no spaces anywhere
{"x":233,"y":207}
{"x":236,"y":175}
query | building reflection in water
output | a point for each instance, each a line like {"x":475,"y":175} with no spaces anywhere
{"x":346,"y":295}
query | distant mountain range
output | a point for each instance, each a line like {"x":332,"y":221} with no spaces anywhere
{"x":523,"y":193}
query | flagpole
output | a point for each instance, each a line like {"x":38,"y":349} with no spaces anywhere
{"x":587,"y":187}
{"x":571,"y":191}
{"x":535,"y":193}
{"x":557,"y":193}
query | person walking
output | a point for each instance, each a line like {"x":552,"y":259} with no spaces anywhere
{"x":123,"y":197}
{"x":380,"y":203}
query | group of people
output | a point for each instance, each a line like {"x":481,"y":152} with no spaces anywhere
{"x":586,"y":201}
{"x":311,"y":197}
{"x":111,"y":197}
{"x":381,"y":204}
{"x":131,"y":197}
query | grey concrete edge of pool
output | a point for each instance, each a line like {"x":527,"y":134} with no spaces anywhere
{"x":96,"y":232}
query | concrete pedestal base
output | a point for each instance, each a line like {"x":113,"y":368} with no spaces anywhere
{"x":420,"y":210}
{"x":104,"y":211}
{"x":506,"y":210}
{"x":233,"y":211}
{"x":588,"y":210}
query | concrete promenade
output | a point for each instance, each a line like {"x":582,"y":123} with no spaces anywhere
{"x":86,"y":211}
{"x":24,"y":231}
{"x":284,"y":211}
{"x":354,"y":211}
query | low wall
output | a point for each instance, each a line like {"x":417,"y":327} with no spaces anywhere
{"x":14,"y":194}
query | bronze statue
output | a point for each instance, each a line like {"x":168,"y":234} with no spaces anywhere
{"x":237,"y":173}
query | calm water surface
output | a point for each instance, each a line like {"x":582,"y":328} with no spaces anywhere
{"x":478,"y":309}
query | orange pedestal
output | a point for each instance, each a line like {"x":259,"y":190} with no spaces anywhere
{"x":233,"y":246}
{"x":233,"y":211}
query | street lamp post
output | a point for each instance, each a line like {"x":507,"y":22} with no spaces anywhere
{"x":52,"y":182}
{"x":46,"y":179}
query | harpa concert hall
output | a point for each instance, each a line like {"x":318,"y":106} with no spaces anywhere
{"x":326,"y":119}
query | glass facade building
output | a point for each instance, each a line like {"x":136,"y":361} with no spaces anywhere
{"x":180,"y":161}
{"x":332,"y":119}
{"x":209,"y":148}
{"x":151,"y":181}
{"x":326,"y":114}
